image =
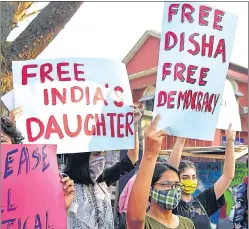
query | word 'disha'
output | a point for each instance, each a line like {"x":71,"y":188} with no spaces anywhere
{"x":201,"y":43}
{"x":120,"y":126}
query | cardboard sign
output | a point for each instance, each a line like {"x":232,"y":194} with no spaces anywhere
{"x":195,"y":50}
{"x":32,"y":195}
{"x":79,"y":104}
{"x":8,"y":100}
{"x":229,"y":111}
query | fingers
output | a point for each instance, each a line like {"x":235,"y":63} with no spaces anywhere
{"x":230,"y":127}
{"x":136,"y":111}
{"x":70,"y":190}
{"x":155,"y":122}
{"x":161,"y":133}
{"x":68,"y":183}
{"x":134,"y":106}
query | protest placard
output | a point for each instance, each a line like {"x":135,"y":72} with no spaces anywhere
{"x":32,"y":195}
{"x":80,"y":104}
{"x":229,"y":110}
{"x":8,"y":100}
{"x":195,"y":49}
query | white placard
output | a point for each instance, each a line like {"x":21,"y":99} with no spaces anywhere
{"x":229,"y":110}
{"x":80,"y":104}
{"x":8,"y":100}
{"x":195,"y":49}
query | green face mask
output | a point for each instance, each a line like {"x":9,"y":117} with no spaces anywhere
{"x":189,"y":186}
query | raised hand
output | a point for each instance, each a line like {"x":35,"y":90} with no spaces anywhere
{"x":137,"y":114}
{"x":230,"y":134}
{"x":15,"y":113}
{"x":69,"y":191}
{"x":153,"y":139}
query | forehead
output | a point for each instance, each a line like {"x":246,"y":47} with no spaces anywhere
{"x":188,"y":172}
{"x":169,"y":175}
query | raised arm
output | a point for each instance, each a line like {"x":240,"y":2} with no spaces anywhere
{"x":133,"y":153}
{"x":139,"y":196}
{"x":113,"y":173}
{"x":175,"y":156}
{"x":229,"y":165}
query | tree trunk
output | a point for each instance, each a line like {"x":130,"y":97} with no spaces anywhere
{"x":36,"y":37}
{"x":11,"y":14}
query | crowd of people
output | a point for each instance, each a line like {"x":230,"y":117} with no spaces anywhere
{"x":158,"y":196}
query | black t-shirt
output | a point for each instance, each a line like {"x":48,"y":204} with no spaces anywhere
{"x":200,"y":208}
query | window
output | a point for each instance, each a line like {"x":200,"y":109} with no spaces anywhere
{"x":149,"y":105}
{"x":148,"y":98}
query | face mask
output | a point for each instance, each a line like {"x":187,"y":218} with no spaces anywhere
{"x":167,"y":199}
{"x":97,"y":167}
{"x":189,"y":186}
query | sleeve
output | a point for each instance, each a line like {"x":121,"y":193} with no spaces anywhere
{"x":208,"y":200}
{"x":241,"y":205}
{"x":113,"y":173}
{"x":122,"y":198}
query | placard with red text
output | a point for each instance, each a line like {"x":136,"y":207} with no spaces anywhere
{"x":79,"y":104}
{"x":195,"y":49}
{"x":32,"y":194}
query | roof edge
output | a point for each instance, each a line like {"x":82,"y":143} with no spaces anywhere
{"x":140,"y":43}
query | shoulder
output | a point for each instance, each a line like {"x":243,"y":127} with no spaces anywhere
{"x":207,"y":194}
{"x":185,"y":222}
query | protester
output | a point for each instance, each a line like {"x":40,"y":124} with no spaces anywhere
{"x":162,"y":181}
{"x":10,"y":135}
{"x":240,"y":218}
{"x":91,"y":208}
{"x":206,"y":203}
{"x":123,"y":201}
{"x":124,"y":197}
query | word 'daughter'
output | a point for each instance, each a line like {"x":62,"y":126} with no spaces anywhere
{"x":120,"y":126}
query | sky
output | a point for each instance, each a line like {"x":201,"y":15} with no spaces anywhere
{"x":111,"y":29}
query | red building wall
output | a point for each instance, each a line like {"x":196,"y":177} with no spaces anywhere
{"x":146,"y":58}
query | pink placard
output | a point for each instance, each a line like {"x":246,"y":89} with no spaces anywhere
{"x":32,"y":195}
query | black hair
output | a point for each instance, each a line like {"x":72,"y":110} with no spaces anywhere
{"x":185,"y":164}
{"x":10,"y":130}
{"x":77,"y":168}
{"x":59,"y":161}
{"x":161,"y":167}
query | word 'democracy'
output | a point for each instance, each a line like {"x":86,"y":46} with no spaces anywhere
{"x":28,"y":173}
{"x":195,"y":50}
{"x":77,"y":103}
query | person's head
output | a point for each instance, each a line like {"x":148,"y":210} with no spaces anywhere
{"x":9,"y":133}
{"x":187,"y":173}
{"x":85,"y":168}
{"x":166,"y":187}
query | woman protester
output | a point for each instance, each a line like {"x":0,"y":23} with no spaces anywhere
{"x":91,"y":208}
{"x":199,"y":208}
{"x":162,"y":182}
{"x":10,"y":135}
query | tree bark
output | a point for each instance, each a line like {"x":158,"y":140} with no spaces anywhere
{"x":36,"y":37}
{"x":11,"y":14}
